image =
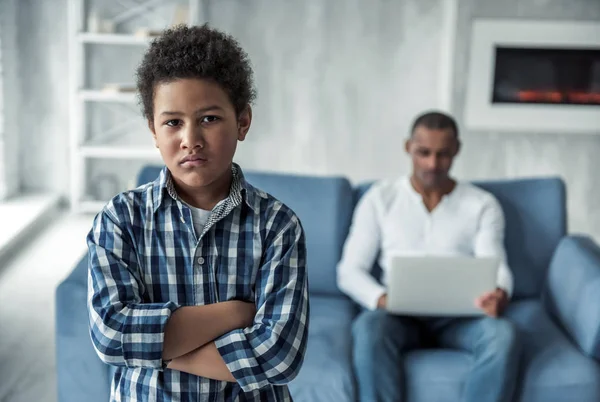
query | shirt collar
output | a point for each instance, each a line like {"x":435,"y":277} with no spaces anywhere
{"x":405,"y":182}
{"x":239,"y":191}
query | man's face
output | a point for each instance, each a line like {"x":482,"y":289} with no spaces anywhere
{"x":432,"y":152}
{"x":196,"y":129}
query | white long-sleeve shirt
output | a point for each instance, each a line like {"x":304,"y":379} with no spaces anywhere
{"x":391,"y":219}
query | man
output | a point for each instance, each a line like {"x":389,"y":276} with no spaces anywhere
{"x":428,"y":213}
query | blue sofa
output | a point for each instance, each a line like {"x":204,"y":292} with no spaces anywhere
{"x":556,"y":305}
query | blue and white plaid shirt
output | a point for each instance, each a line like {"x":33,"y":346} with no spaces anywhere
{"x":146,"y":261}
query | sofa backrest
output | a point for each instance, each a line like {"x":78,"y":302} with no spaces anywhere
{"x":536,"y":220}
{"x":324,"y":206}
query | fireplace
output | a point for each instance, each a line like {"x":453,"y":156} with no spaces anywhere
{"x":540,"y":76}
{"x":547,"y":76}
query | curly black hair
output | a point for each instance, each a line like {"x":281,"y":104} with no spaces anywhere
{"x":196,"y":52}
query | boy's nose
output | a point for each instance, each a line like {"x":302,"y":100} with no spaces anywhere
{"x":192,"y":138}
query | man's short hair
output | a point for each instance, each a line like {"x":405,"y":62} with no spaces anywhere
{"x":196,"y":52}
{"x":435,"y":120}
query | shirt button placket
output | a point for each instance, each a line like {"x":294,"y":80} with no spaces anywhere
{"x":428,"y":225}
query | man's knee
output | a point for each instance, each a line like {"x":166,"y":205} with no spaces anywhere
{"x":369,"y":326}
{"x":500,"y":336}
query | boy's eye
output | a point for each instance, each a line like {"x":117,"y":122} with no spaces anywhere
{"x":209,"y":119}
{"x":173,"y":122}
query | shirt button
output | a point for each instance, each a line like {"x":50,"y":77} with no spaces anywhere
{"x":200,"y":260}
{"x":182,"y":219}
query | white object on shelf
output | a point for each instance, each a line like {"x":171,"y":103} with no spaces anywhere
{"x":123,"y":87}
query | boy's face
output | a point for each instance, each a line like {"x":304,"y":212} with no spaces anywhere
{"x":196,"y":129}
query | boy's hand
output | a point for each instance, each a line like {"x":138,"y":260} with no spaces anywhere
{"x":244,"y":313}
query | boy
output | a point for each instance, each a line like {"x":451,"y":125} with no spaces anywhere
{"x":197,"y":281}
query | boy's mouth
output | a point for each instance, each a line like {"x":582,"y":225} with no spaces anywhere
{"x":192,"y":160}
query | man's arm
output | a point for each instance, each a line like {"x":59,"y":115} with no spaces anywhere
{"x":271,"y":351}
{"x":127,"y":332}
{"x":489,"y":242}
{"x":360,"y":251}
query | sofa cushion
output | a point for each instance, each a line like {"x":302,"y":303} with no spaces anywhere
{"x":552,"y":368}
{"x":324,"y":206}
{"x":536,"y":219}
{"x":571,"y":294}
{"x":77,"y":361}
{"x":326,"y":374}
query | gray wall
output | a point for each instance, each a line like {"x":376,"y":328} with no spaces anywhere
{"x":501,"y":154}
{"x":339,"y":82}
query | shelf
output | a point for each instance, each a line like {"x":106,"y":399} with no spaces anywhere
{"x":118,"y":152}
{"x":113,"y":39}
{"x":108,"y":96}
{"x":131,"y":146}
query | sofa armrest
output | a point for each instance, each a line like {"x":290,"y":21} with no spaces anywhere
{"x":81,"y":375}
{"x":572,"y":292}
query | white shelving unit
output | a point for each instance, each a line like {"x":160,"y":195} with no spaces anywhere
{"x":114,"y":146}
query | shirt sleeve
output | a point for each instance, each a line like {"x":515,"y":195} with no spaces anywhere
{"x":271,"y":352}
{"x":124,"y":330}
{"x":359,"y":254}
{"x":489,"y":242}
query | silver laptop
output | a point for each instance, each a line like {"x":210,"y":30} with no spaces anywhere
{"x":439,"y":286}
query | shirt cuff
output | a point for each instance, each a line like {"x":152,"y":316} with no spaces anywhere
{"x":374,"y":299}
{"x":236,"y":352}
{"x":505,"y":280}
{"x":143,"y":334}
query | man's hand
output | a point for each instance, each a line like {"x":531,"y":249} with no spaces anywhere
{"x":493,"y":303}
{"x":382,"y":302}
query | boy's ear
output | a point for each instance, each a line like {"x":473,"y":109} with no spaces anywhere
{"x":151,"y":127}
{"x":244,"y":121}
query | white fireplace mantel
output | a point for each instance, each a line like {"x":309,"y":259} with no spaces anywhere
{"x":481,"y":113}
